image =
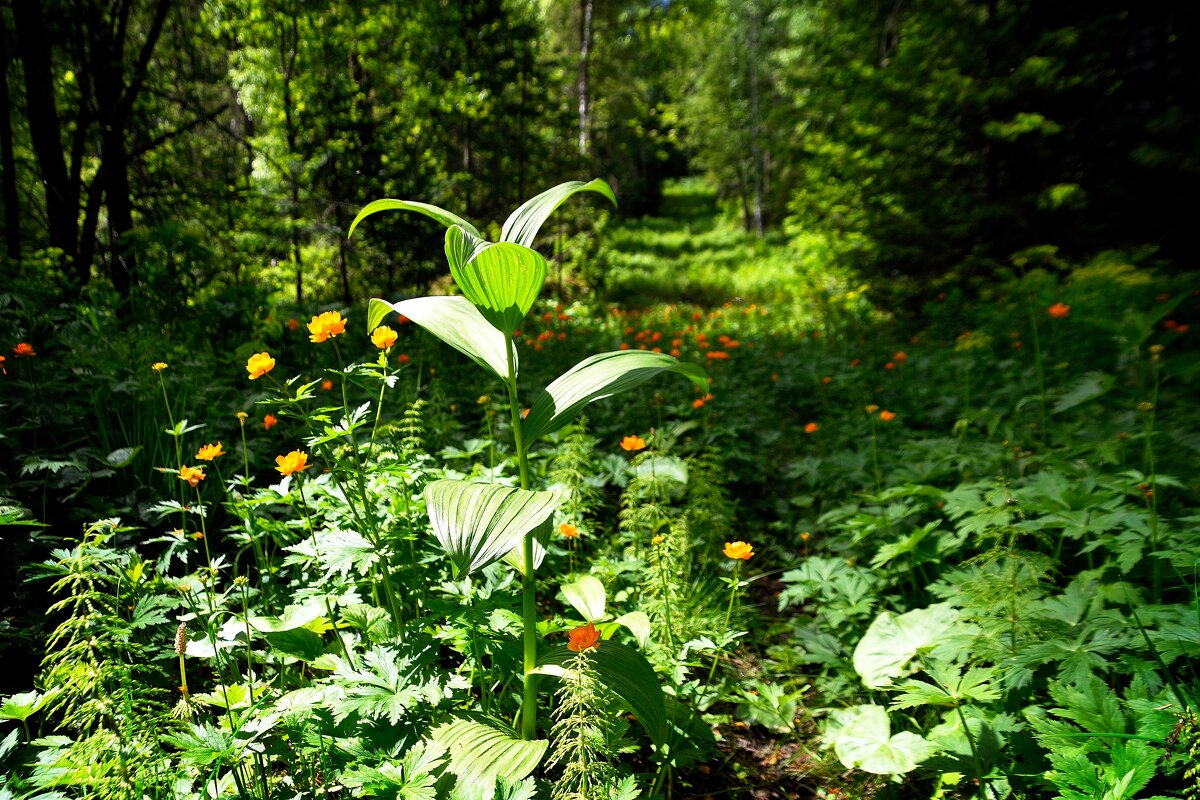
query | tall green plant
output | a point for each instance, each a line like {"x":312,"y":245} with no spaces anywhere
{"x":478,"y":525}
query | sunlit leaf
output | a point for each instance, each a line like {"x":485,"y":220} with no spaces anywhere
{"x":502,"y":280}
{"x":482,"y":749}
{"x":456,"y":322}
{"x":523,"y":225}
{"x":862,"y":739}
{"x":477,"y":523}
{"x":595,"y":378}
{"x":586,"y":596}
{"x":433,"y":212}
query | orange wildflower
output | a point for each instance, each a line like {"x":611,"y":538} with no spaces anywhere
{"x":568,"y":530}
{"x":1059,"y":310}
{"x":269,"y":421}
{"x":812,"y":427}
{"x":631,"y":444}
{"x":193,"y":475}
{"x":327,"y":385}
{"x":295,"y":461}
{"x":24,"y":349}
{"x":325,"y":325}
{"x":3,"y":371}
{"x":404,"y":359}
{"x":887,"y":416}
{"x":740,"y":551}
{"x":583,"y":638}
{"x":259,"y":364}
{"x":900,"y":357}
{"x":383,"y":337}
{"x":889,"y":366}
{"x":828,"y":379}
{"x":698,"y":402}
{"x":714,"y":355}
{"x":210,"y":451}
{"x":293,"y":324}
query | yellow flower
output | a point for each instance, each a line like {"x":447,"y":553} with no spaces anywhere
{"x":259,"y":364}
{"x":210,"y":451}
{"x":193,"y":475}
{"x":871,"y":409}
{"x":631,"y":444}
{"x":294,"y":461}
{"x":326,"y":324}
{"x":158,"y":366}
{"x":383,"y":337}
{"x":740,"y":551}
{"x":568,"y":530}
{"x":242,"y":416}
{"x":585,"y":637}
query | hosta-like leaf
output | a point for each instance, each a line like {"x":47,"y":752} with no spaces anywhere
{"x":482,"y":749}
{"x":862,"y":739}
{"x":477,"y":523}
{"x":523,"y":225}
{"x":586,"y":596}
{"x":893,"y":641}
{"x":628,"y":675}
{"x":595,"y":378}
{"x":456,"y":322}
{"x":502,"y":280}
{"x":541,"y":538}
{"x":433,"y":212}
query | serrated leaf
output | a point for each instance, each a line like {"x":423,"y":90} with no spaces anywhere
{"x":24,"y":705}
{"x":482,"y":749}
{"x":628,"y":675}
{"x":587,"y":597}
{"x":502,"y":280}
{"x":443,"y":216}
{"x":478,"y":523}
{"x":595,"y":378}
{"x":522,"y":225}
{"x":456,"y":322}
{"x":862,"y":739}
{"x":1087,"y":388}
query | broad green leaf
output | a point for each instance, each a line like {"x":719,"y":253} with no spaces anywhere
{"x":121,"y":457}
{"x":433,"y":212}
{"x":586,"y":596}
{"x":523,"y":225}
{"x":862,"y":739}
{"x":638,"y":623}
{"x":299,"y":643}
{"x":893,"y":641}
{"x":310,"y":615}
{"x":502,"y":280}
{"x":482,"y":749}
{"x":477,"y":523}
{"x":595,"y":378}
{"x":456,"y":322}
{"x":1087,"y":388}
{"x":627,"y":674}
{"x":24,"y":705}
{"x":541,"y":538}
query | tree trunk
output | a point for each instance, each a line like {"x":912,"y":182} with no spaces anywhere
{"x":12,"y":212}
{"x":756,"y":159}
{"x":45,"y":132}
{"x":585,"y":52}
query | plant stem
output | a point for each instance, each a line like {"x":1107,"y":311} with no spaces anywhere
{"x":529,"y":580}
{"x":324,"y":595}
{"x":1037,"y":360}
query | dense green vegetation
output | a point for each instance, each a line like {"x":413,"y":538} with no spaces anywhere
{"x":838,"y":441}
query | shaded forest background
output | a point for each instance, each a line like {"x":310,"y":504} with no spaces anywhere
{"x":159,"y":150}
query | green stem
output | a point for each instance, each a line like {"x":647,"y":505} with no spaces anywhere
{"x":1037,"y":360}
{"x":324,"y":595}
{"x":529,"y":580}
{"x":974,"y":752}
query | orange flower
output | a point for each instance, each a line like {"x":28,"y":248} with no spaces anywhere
{"x":404,"y":359}
{"x":583,"y":638}
{"x":887,"y":416}
{"x":327,"y":385}
{"x":193,"y":475}
{"x":295,"y":461}
{"x":889,"y":366}
{"x":812,"y":427}
{"x":158,"y":366}
{"x":740,"y":551}
{"x":631,"y":444}
{"x":3,"y":371}
{"x":293,"y":324}
{"x":854,"y":362}
{"x":210,"y":451}
{"x":24,"y":349}
{"x":828,"y":379}
{"x":568,"y":530}
{"x":698,"y":402}
{"x":383,"y":337}
{"x":716,"y":355}
{"x":259,"y":364}
{"x":1059,"y":310}
{"x":269,"y":421}
{"x":900,"y":357}
{"x":325,"y":325}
